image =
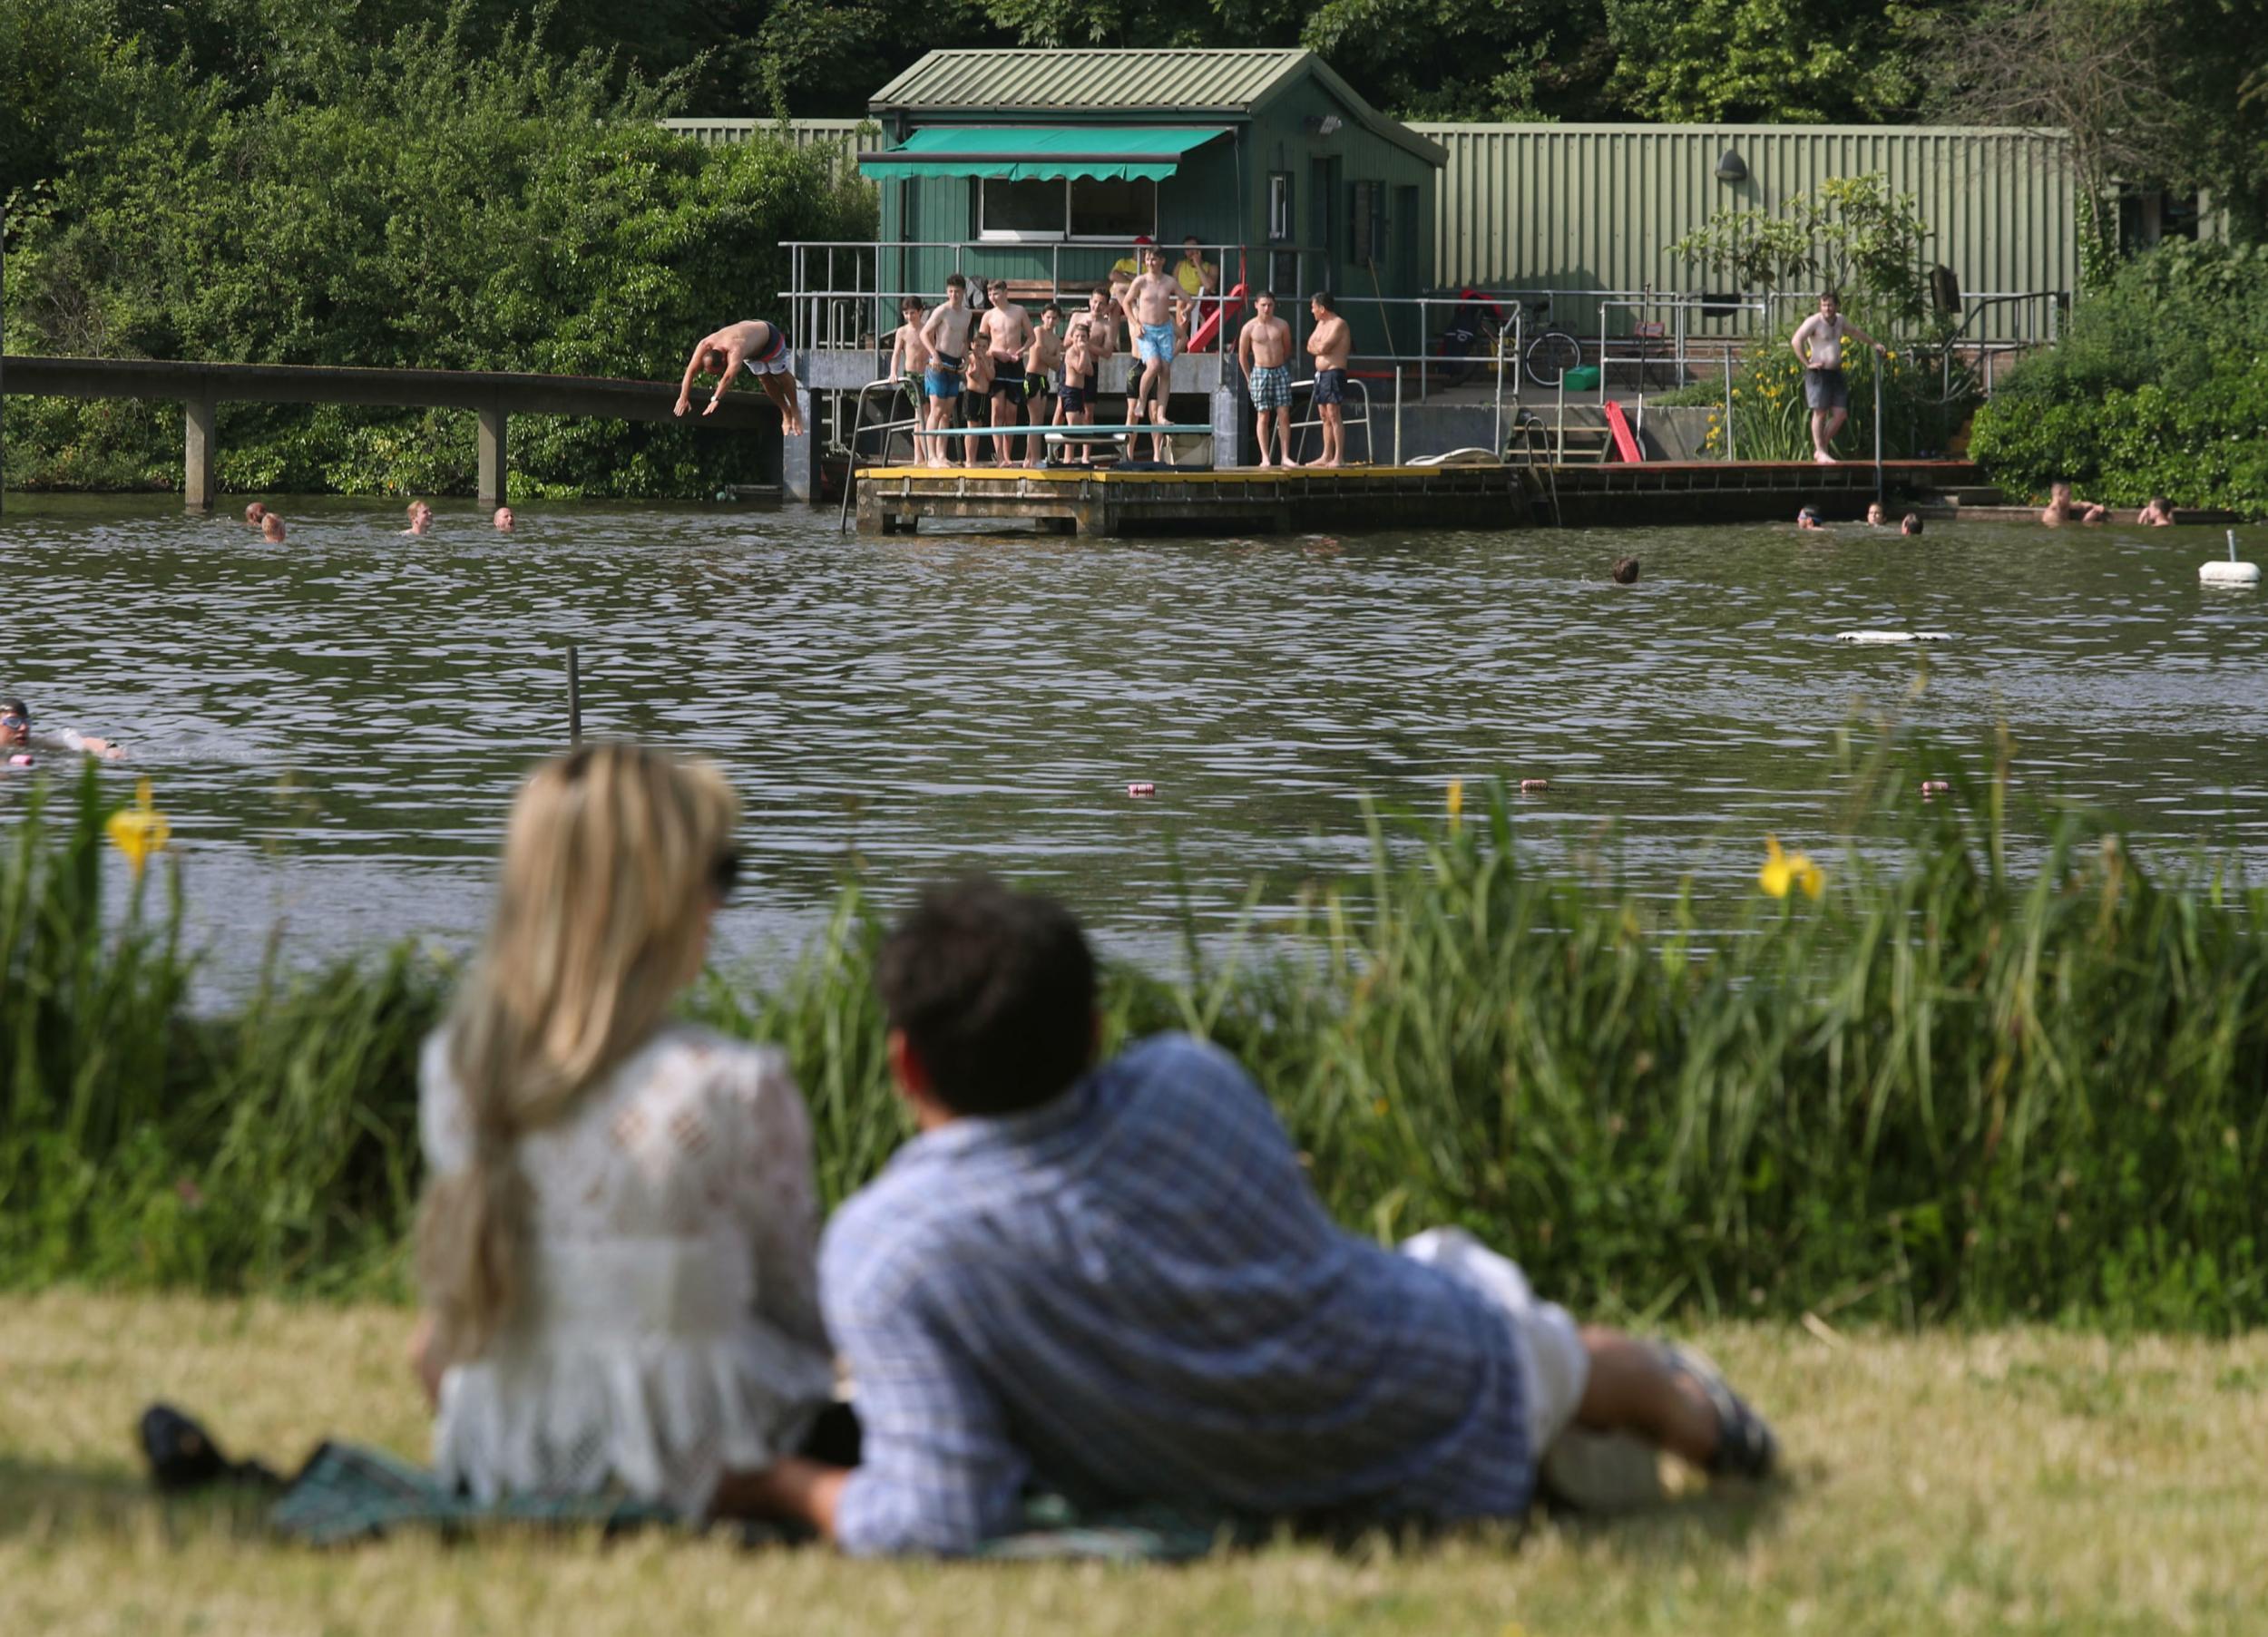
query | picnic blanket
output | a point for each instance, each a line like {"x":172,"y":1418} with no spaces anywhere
{"x":349,"y":1493}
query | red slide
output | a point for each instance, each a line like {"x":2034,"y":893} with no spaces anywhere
{"x":1207,"y":336}
{"x":1626,"y":442}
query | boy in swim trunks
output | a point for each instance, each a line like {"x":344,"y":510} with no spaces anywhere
{"x":1044,"y":354}
{"x":1331,"y":342}
{"x":945,"y":333}
{"x":1149,"y":307}
{"x":1007,"y":337}
{"x":909,"y":361}
{"x":762,"y":348}
{"x":1264,"y":350}
{"x":1086,"y":345}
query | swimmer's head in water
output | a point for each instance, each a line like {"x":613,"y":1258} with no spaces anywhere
{"x":2059,"y":494}
{"x":1875,"y":514}
{"x":16,"y":722}
{"x":271,"y":527}
{"x":1808,"y":518}
{"x":1625,"y":571}
{"x":253,"y":514}
{"x":503,"y":520}
{"x":1911,"y":523}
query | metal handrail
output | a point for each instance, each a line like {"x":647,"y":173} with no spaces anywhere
{"x":1370,"y":446}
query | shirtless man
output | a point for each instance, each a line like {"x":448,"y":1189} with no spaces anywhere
{"x":1007,"y":337}
{"x":1818,"y":344}
{"x":1091,"y":339}
{"x":762,"y":348}
{"x":2062,"y":509}
{"x":1151,"y":318}
{"x":945,"y":333}
{"x":1329,"y":341}
{"x":909,"y":362}
{"x":2158,"y":514}
{"x":1264,"y":352}
{"x":1044,"y":355}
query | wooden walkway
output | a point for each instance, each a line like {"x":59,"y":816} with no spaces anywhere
{"x":896,"y":499}
{"x":494,"y":396}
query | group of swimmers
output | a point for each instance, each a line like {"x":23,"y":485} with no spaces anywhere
{"x":2158,"y":513}
{"x":1809,"y":520}
{"x":956,"y":357}
{"x":270,"y":524}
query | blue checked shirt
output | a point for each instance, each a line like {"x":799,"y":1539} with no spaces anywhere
{"x":1132,"y":1293}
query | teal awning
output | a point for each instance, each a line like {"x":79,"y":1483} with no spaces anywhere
{"x":1040,"y":152}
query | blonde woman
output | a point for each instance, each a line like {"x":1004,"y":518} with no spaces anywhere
{"x":616,"y":1246}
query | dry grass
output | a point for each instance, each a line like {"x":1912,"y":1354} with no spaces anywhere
{"x":2024,"y":1480}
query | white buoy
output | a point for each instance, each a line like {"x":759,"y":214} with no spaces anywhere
{"x":2232,"y":573}
{"x":1871,"y":639}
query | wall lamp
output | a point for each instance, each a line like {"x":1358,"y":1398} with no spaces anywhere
{"x":1731,"y":167}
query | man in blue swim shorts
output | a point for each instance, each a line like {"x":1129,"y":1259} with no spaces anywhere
{"x":1331,"y":341}
{"x":1149,"y":310}
{"x":946,"y":333}
{"x":763,"y":348}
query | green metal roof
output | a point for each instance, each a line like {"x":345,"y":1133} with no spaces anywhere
{"x":1111,"y":85}
{"x":1039,"y":152}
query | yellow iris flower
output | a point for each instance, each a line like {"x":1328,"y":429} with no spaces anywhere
{"x":1783,"y":871}
{"x":1456,"y":802}
{"x":140,"y":830}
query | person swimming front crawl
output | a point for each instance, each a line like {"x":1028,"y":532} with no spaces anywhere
{"x":17,"y":740}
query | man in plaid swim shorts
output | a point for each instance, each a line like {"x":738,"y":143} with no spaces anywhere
{"x":1264,"y":347}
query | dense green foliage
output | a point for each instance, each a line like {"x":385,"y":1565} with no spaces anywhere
{"x":1948,"y":1086}
{"x":2159,"y":386}
{"x":417,"y":203}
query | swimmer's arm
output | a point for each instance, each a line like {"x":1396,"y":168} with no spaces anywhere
{"x":1244,"y":354}
{"x":733,"y":354}
{"x":692,"y":369}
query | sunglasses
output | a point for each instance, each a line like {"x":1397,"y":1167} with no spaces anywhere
{"x":725,"y":873}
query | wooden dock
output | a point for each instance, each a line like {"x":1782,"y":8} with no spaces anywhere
{"x":1247,"y":500}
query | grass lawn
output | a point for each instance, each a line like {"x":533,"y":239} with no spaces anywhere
{"x":2019,"y":1480}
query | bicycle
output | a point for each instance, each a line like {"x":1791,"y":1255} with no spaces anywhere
{"x":1552,"y":353}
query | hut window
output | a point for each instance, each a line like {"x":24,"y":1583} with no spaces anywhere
{"x":1279,"y":205}
{"x":1083,"y":207}
{"x":1113,"y":210}
{"x":1029,"y":210}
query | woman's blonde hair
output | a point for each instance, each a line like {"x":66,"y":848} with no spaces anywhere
{"x":609,"y":856}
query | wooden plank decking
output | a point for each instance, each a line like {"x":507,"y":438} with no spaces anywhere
{"x":894,"y":498}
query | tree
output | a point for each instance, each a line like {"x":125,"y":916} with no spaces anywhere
{"x":2092,"y":71}
{"x":1793,"y":61}
{"x":1851,"y":235}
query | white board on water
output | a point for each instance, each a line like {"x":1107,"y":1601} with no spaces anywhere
{"x":1873,"y":637}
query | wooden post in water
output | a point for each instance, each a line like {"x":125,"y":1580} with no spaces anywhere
{"x":575,"y":697}
{"x":492,"y":453}
{"x":199,"y":451}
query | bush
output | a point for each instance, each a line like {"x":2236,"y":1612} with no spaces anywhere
{"x":1944,"y":1088}
{"x":1771,"y":421}
{"x":2160,"y":386}
{"x":410,"y":205}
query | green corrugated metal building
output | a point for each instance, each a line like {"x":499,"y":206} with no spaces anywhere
{"x":1596,"y":207}
{"x":1054,"y":160}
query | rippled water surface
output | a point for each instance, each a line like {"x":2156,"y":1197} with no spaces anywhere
{"x":336,"y":726}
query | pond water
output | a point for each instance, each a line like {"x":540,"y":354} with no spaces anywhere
{"x":334,"y":726}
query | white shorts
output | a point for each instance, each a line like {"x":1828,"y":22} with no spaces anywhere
{"x":1555,"y":1368}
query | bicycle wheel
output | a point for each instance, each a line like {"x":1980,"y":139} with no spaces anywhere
{"x":1550,"y":355}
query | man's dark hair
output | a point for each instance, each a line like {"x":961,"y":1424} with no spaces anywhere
{"x":2163,"y":505}
{"x":15,"y":708}
{"x":1911,"y":523}
{"x":995,"y":990}
{"x":1263,"y":296}
{"x":1323,"y":299}
{"x":953,"y":279}
{"x":1625,"y":571}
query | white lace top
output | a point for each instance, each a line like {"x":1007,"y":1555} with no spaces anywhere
{"x":669,"y":1329}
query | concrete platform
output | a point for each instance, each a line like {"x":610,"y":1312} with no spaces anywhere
{"x":894,"y":498}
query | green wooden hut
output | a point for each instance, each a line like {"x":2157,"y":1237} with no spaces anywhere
{"x":1046,"y":165}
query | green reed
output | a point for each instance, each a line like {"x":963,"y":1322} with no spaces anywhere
{"x":1947,"y":1088}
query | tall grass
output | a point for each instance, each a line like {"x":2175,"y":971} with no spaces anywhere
{"x":1951,"y":1086}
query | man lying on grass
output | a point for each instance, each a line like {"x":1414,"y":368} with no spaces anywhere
{"x":1115,"y":1281}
